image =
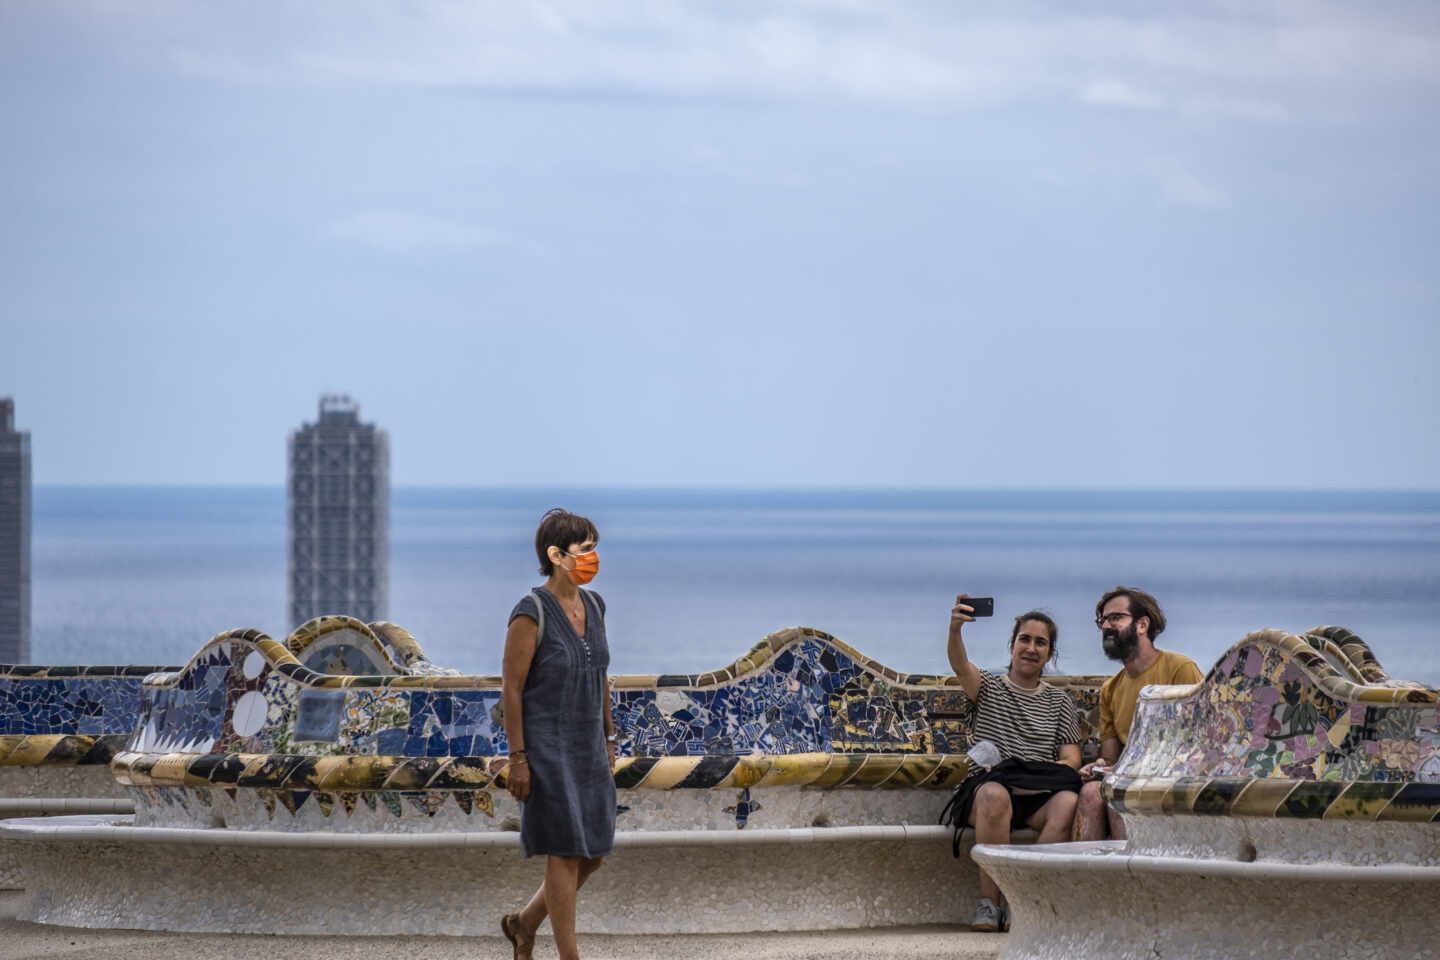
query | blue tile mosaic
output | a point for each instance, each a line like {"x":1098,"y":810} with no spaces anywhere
{"x":69,"y":705}
{"x":811,"y":697}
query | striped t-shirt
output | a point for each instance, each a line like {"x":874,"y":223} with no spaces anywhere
{"x":1030,"y":724}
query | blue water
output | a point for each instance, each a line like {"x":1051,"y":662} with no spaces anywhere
{"x":694,"y":578}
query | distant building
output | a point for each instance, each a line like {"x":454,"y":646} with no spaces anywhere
{"x":339,"y":515}
{"x":14,"y":538}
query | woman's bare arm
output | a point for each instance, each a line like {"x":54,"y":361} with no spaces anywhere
{"x":520,"y":640}
{"x":1070,"y":755}
{"x":969,"y":674}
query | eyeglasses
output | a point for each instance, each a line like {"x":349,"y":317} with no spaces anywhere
{"x":1112,"y":619}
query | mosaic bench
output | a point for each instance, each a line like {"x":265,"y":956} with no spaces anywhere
{"x":794,"y":777}
{"x":1288,"y":804}
{"x":60,"y":726}
{"x":59,"y":729}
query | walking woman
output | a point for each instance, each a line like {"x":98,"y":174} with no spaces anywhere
{"x":556,"y":697}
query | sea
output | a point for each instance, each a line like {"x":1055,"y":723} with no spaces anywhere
{"x":694,"y":578}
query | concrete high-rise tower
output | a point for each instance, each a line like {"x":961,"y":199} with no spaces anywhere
{"x":339,"y":515}
{"x":14,"y":538}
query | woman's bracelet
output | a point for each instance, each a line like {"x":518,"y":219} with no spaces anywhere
{"x":609,"y":738}
{"x":519,"y":762}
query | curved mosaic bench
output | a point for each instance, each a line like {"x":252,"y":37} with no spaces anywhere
{"x":1298,"y":775}
{"x":60,"y":726}
{"x":59,"y":729}
{"x":800,"y":710}
{"x":803,"y":744}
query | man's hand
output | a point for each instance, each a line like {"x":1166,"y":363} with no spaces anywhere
{"x":610,"y":748}
{"x":1097,"y":770}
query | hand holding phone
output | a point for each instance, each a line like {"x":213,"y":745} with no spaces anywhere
{"x":979,"y":606}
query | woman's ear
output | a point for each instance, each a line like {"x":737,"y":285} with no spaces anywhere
{"x":554,"y":553}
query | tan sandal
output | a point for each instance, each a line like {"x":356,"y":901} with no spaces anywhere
{"x":510,"y":926}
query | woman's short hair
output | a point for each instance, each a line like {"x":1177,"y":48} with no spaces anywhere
{"x":560,"y":528}
{"x":1049,"y":622}
{"x":1141,"y":605}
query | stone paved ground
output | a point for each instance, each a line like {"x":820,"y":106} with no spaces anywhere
{"x":22,"y":941}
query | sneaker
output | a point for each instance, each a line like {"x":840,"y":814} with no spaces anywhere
{"x":987,"y":916}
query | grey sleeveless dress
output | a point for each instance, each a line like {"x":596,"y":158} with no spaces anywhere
{"x":571,"y":809}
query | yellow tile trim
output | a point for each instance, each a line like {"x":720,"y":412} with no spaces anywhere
{"x":665,"y":775}
{"x":359,"y":773}
{"x":1261,"y":798}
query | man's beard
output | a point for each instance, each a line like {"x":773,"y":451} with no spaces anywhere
{"x":1120,"y":644}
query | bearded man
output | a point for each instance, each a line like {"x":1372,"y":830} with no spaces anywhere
{"x":1129,"y":621}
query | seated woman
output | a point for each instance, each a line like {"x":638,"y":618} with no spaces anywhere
{"x":1026,"y":718}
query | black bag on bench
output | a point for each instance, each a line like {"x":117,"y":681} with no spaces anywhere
{"x":1016,"y":775}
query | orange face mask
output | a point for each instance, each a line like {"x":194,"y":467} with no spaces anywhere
{"x":586,"y":566}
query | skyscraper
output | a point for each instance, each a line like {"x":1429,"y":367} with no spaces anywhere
{"x":339,"y":515}
{"x":14,"y":538}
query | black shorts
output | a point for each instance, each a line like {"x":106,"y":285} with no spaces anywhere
{"x":1023,"y":806}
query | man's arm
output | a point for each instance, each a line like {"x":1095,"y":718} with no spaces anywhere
{"x":1109,"y":737}
{"x":969,"y":674}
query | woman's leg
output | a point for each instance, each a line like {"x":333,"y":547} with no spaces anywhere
{"x":562,"y":881}
{"x":1054,"y":818}
{"x":588,"y":865}
{"x":990,"y":816}
{"x":535,"y":913}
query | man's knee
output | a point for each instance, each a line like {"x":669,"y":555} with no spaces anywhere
{"x":992,"y":802}
{"x":1091,"y":800}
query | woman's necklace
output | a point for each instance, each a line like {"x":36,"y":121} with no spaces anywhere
{"x":575,"y":610}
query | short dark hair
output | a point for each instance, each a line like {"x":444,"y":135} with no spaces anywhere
{"x":1046,"y":619}
{"x":560,"y":528}
{"x":1141,"y":605}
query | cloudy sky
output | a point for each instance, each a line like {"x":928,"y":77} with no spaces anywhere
{"x":805,"y":243}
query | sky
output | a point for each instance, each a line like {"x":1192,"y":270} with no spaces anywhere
{"x":816,"y":244}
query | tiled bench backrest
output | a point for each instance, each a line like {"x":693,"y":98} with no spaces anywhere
{"x":1286,"y":726}
{"x":67,"y":715}
{"x":55,"y":715}
{"x":801,"y":709}
{"x":799,"y":691}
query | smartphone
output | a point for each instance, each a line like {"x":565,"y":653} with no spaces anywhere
{"x":983,"y":606}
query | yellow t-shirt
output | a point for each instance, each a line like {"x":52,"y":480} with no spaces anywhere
{"x":1121,"y":692}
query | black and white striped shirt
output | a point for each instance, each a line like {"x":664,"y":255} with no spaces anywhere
{"x":1030,"y":724}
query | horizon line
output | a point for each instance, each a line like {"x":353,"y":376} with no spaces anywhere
{"x":776,"y":488}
